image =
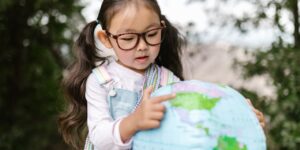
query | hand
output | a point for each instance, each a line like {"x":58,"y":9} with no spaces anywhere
{"x":150,"y":111}
{"x":259,"y":115}
{"x":147,"y":115}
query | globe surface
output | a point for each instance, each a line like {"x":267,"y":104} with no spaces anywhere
{"x":203,"y":116}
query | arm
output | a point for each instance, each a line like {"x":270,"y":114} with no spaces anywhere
{"x":103,"y":130}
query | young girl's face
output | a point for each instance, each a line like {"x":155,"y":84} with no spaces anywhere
{"x":134,"y":19}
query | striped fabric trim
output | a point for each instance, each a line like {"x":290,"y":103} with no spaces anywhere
{"x":152,"y":76}
{"x":157,"y":77}
{"x":102,"y":74}
{"x":167,"y":77}
{"x":88,"y":145}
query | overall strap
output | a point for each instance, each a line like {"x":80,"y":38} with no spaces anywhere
{"x":152,"y":76}
{"x":102,"y":74}
{"x":158,"y":76}
{"x":88,"y":145}
{"x":103,"y":77}
{"x":167,"y":77}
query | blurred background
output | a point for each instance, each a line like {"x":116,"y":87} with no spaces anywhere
{"x":251,"y":45}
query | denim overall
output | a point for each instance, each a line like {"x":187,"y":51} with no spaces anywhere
{"x":122,"y":102}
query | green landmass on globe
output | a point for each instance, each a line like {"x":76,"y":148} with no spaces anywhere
{"x":197,"y":101}
{"x":229,"y":143}
{"x":194,"y":100}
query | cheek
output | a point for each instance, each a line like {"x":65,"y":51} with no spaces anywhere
{"x":124,"y":55}
{"x":155,"y":50}
{"x":120,"y":53}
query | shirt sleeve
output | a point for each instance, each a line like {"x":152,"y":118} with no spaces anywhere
{"x":103,"y":130}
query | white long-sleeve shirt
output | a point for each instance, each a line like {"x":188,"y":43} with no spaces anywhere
{"x":103,"y":130}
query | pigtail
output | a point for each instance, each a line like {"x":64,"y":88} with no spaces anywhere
{"x":73,"y":121}
{"x":170,"y":51}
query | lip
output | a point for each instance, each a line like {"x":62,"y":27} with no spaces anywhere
{"x":142,"y":59}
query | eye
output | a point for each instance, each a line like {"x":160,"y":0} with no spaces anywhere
{"x":127,"y":37}
{"x":152,"y":33}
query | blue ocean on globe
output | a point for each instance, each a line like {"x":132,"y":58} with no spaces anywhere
{"x":203,"y":116}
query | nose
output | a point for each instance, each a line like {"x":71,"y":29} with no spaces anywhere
{"x":142,"y":45}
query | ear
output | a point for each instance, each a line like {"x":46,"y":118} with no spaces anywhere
{"x":102,"y":36}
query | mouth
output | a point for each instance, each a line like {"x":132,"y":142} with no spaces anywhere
{"x":142,"y":59}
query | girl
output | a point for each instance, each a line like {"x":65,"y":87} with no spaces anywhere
{"x":108,"y":95}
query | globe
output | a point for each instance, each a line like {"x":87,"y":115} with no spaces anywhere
{"x":203,"y":116}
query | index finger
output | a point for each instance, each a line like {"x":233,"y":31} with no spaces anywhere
{"x":163,"y":98}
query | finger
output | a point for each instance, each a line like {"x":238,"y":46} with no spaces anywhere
{"x":154,"y":124}
{"x":262,"y":118}
{"x":159,"y":107}
{"x":157,"y":115}
{"x":163,"y":98}
{"x":257,"y":112}
{"x":249,"y":102}
{"x":259,"y":115}
{"x":147,"y":92}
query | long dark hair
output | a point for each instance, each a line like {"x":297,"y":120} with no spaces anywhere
{"x":72,"y":122}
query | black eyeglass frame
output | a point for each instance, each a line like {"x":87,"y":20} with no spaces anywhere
{"x":143,"y":35}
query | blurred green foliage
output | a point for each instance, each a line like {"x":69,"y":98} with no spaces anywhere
{"x":281,"y":63}
{"x":35,"y":37}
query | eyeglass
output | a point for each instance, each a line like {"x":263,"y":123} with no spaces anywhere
{"x":128,"y":41}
